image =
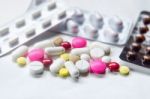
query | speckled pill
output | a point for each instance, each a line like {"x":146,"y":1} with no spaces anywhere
{"x":21,"y":61}
{"x":65,"y":56}
{"x":124,"y":70}
{"x":63,"y":72}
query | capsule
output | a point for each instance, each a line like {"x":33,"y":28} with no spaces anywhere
{"x":44,"y":44}
{"x":57,"y":65}
{"x":79,"y":51}
{"x":83,"y":66}
{"x":74,"y":72}
{"x":54,"y":50}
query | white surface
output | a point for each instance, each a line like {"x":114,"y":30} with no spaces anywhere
{"x":16,"y":83}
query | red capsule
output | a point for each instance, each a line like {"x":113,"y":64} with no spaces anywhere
{"x":47,"y":62}
{"x":113,"y":66}
{"x":66,"y":45}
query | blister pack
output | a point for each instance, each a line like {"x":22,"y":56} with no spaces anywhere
{"x":40,"y":17}
{"x":95,"y":26}
{"x":137,"y":49}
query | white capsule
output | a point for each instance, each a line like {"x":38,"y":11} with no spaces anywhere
{"x":96,"y":20}
{"x":107,"y":49}
{"x":106,"y":59}
{"x":85,"y":57}
{"x":72,"y":26}
{"x":54,"y":50}
{"x":111,"y":35}
{"x":116,"y":24}
{"x":72,"y":69}
{"x":56,"y":65}
{"x":90,"y":31}
{"x":44,"y":44}
{"x":97,"y":53}
{"x":79,"y":51}
{"x":19,"y":52}
{"x":36,"y":68}
{"x":83,"y":66}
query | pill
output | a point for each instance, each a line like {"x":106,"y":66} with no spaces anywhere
{"x":96,"y":20}
{"x":143,"y":29}
{"x":110,"y":35}
{"x":85,"y":57}
{"x":21,"y":61}
{"x":116,"y":23}
{"x":74,"y":58}
{"x":113,"y":66}
{"x":4,"y":31}
{"x":97,"y":53}
{"x":19,"y":52}
{"x":30,"y":33}
{"x":66,"y":45}
{"x":36,"y":15}
{"x":73,"y":71}
{"x":47,"y":62}
{"x":62,"y":14}
{"x":43,"y":44}
{"x":79,"y":42}
{"x":97,"y":66}
{"x":56,"y":65}
{"x":124,"y":70}
{"x":63,"y":72}
{"x":54,"y":50}
{"x":57,"y":41}
{"x":106,"y":59}
{"x":13,"y":41}
{"x":131,"y":56}
{"x":65,"y":56}
{"x":79,"y":51}
{"x":52,"y":5}
{"x":36,"y":68}
{"x":78,"y":16}
{"x":90,"y":31}
{"x":107,"y":49}
{"x":36,"y":55}
{"x":72,"y":26}
{"x":83,"y":66}
{"x":20,"y":23}
{"x":46,"y":23}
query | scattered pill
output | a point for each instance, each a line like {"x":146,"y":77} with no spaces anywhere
{"x":57,"y":41}
{"x":124,"y":70}
{"x":72,"y":26}
{"x":85,"y":57}
{"x":97,"y":53}
{"x":56,"y":65}
{"x":73,"y":71}
{"x":79,"y":51}
{"x":36,"y":68}
{"x":63,"y":72}
{"x":106,"y":59}
{"x":43,"y":44}
{"x":47,"y":62}
{"x":78,"y":42}
{"x":65,"y":56}
{"x":74,"y":58}
{"x":19,"y":52}
{"x":113,"y":66}
{"x":66,"y":45}
{"x":83,"y":66}
{"x":36,"y":55}
{"x":21,"y":61}
{"x":54,"y":50}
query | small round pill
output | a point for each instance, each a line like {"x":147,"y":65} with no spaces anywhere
{"x":57,"y":41}
{"x":74,"y":58}
{"x":97,"y":53}
{"x":65,"y":56}
{"x":113,"y":66}
{"x":63,"y":72}
{"x":21,"y":61}
{"x":79,"y":42}
{"x":66,"y":45}
{"x":83,"y":66}
{"x":106,"y":59}
{"x":85,"y":57}
{"x":124,"y":70}
{"x":47,"y":62}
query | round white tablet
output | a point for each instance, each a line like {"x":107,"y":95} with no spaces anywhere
{"x":97,"y":53}
{"x":83,"y":66}
{"x":106,"y":59}
{"x":85,"y":57}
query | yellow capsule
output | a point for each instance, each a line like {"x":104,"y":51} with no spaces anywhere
{"x":124,"y":70}
{"x":21,"y":61}
{"x":65,"y":56}
{"x":63,"y":72}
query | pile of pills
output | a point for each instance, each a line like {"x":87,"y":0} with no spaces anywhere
{"x":64,"y":58}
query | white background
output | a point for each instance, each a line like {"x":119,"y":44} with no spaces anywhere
{"x":16,"y":83}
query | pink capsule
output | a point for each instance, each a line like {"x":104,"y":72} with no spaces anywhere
{"x":97,"y":66}
{"x":36,"y":55}
{"x":79,"y":42}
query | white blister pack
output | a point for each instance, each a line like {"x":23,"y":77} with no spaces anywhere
{"x":95,"y":26}
{"x":41,"y":16}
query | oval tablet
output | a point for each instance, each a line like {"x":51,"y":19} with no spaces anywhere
{"x":44,"y":44}
{"x":83,"y":66}
{"x":54,"y":50}
{"x":97,"y":53}
{"x":79,"y":51}
{"x":85,"y":57}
